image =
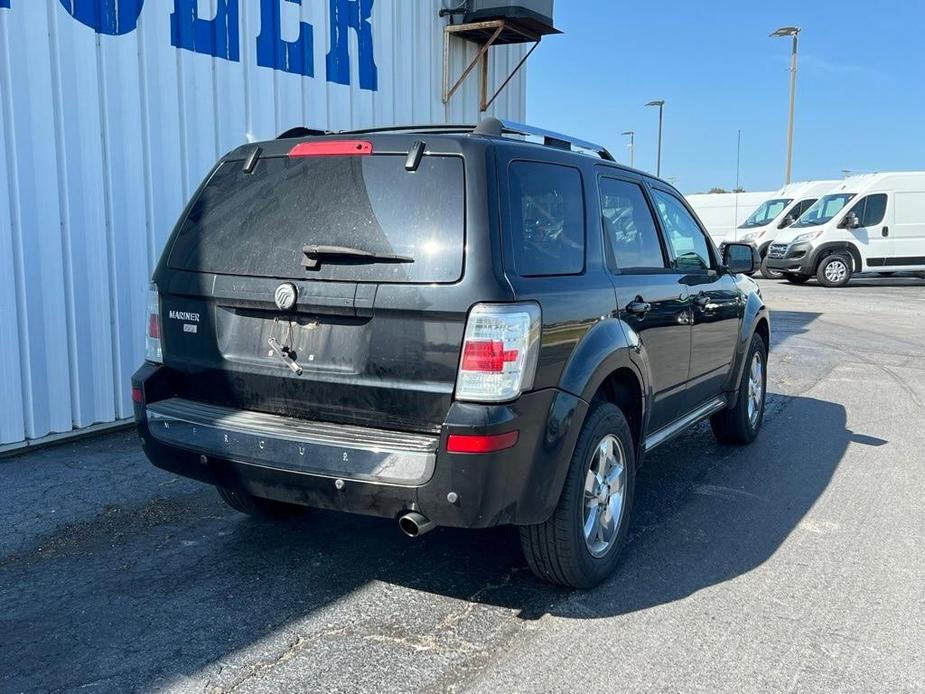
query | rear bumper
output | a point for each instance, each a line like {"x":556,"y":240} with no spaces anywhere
{"x":368,"y":471}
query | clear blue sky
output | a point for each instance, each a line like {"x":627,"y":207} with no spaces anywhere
{"x":860,"y":91}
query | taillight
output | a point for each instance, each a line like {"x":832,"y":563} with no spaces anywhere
{"x":472,"y":444}
{"x":153,"y":332}
{"x":499,"y":352}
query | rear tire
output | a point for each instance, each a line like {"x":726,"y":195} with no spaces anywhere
{"x":740,"y":424}
{"x":796,"y":279}
{"x":834,"y":270}
{"x":260,"y":508}
{"x":579,"y":546}
{"x":768,"y":273}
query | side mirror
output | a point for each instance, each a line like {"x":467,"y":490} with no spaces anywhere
{"x":739,"y":258}
{"x":850,"y":221}
{"x":788,"y":220}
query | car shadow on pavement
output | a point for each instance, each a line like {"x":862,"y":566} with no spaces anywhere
{"x":788,"y":324}
{"x":136,"y":598}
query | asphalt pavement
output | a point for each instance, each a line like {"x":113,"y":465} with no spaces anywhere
{"x":794,"y":564}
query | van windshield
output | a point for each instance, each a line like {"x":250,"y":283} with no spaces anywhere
{"x":258,"y":224}
{"x":823,"y":210}
{"x":766,"y":213}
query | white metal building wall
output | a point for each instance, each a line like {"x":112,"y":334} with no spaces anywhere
{"x":104,"y":137}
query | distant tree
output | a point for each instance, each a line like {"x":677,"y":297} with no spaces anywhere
{"x":717,"y":190}
{"x":740,"y":189}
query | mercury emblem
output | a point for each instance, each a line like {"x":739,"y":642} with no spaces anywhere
{"x":285,"y":296}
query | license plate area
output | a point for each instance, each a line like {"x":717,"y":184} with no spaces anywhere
{"x":325,"y":343}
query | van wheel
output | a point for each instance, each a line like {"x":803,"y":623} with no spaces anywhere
{"x":579,"y":546}
{"x":740,"y":424}
{"x":260,"y":508}
{"x":768,"y":273}
{"x":796,"y":279}
{"x":834,"y":271}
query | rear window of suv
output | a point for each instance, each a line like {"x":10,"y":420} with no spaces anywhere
{"x":547,"y":219}
{"x":257,"y":224}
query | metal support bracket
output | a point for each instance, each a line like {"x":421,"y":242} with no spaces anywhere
{"x":486,"y":35}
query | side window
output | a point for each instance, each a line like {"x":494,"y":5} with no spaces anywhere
{"x":801,"y":207}
{"x":547,"y":219}
{"x":628,"y":226}
{"x":871,"y":210}
{"x":687,"y":245}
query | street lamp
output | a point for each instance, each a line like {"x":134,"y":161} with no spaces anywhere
{"x":632,"y":144}
{"x":661,"y":105}
{"x":794,"y":33}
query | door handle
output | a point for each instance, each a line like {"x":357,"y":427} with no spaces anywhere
{"x":638,"y":307}
{"x":885,"y":232}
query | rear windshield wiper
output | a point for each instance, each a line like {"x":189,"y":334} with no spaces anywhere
{"x":314,"y":253}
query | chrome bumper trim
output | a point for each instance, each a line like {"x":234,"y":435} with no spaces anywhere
{"x":294,"y":445}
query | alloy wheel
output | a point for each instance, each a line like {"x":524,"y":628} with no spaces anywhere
{"x":604,"y":495}
{"x":755,"y":389}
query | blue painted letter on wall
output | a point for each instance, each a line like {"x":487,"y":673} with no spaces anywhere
{"x":290,"y":56}
{"x":113,"y":17}
{"x":347,"y":15}
{"x":218,"y":37}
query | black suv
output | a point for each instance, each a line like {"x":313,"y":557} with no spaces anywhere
{"x":446,"y":326}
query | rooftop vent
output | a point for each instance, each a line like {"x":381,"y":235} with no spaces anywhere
{"x":535,"y":16}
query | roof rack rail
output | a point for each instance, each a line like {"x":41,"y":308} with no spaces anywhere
{"x":496,"y":127}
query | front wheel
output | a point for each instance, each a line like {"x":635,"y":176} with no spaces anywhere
{"x":579,"y":545}
{"x":834,"y":271}
{"x":768,"y":273}
{"x":740,"y":424}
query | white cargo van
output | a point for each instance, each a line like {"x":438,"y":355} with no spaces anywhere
{"x":722,"y":213}
{"x":868,"y":223}
{"x":779,"y":212}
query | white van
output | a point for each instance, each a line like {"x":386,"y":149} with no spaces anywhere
{"x":868,"y":223}
{"x":779,"y":212}
{"x":722,"y":213}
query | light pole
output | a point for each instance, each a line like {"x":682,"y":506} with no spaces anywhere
{"x":793,"y":32}
{"x":632,"y":144}
{"x":661,"y":105}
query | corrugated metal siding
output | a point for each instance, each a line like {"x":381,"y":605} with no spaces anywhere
{"x":105,"y":137}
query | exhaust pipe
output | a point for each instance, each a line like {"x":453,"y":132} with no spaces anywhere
{"x":413,"y":524}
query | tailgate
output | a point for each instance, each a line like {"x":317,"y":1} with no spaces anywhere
{"x":375,"y":340}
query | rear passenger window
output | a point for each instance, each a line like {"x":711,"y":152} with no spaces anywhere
{"x":629,"y":227}
{"x":547,"y":219}
{"x":871,"y":210}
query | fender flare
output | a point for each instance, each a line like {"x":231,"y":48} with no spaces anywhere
{"x":755,"y":312}
{"x":827,"y":249}
{"x":607,"y":347}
